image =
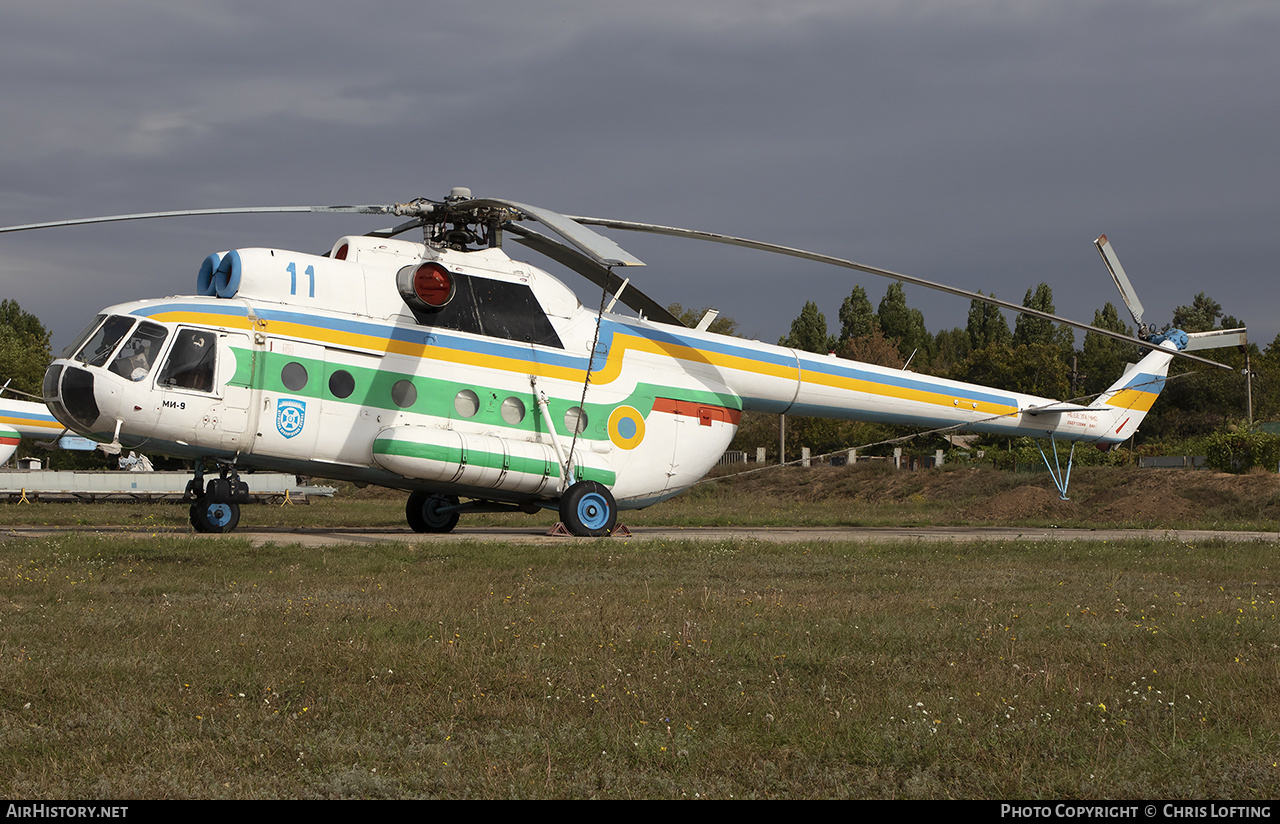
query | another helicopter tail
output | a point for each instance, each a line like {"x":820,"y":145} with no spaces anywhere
{"x":1130,"y":398}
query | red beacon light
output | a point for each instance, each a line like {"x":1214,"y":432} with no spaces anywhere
{"x":426,"y":286}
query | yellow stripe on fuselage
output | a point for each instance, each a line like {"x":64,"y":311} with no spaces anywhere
{"x":935,"y":397}
{"x":622,"y":344}
{"x":216,"y":319}
{"x":942,"y":396}
{"x":30,"y":423}
{"x":376,"y":343}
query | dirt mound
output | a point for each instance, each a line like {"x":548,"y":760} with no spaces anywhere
{"x":1144,"y":507}
{"x":1023,"y":503}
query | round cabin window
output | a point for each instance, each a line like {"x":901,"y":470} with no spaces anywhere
{"x":575,"y":420}
{"x":404,"y":394}
{"x":466,"y":403}
{"x":341,"y":384}
{"x":513,"y":410}
{"x":294,"y":376}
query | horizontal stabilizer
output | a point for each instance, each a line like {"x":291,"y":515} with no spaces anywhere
{"x":1054,"y":408}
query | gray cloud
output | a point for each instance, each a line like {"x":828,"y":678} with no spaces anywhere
{"x":980,"y":143}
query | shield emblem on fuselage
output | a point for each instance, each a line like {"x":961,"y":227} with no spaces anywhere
{"x":291,"y":416}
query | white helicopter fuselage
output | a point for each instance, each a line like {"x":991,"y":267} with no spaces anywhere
{"x":319,"y":366}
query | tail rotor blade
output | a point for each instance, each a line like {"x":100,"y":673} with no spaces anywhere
{"x":1217,"y":339}
{"x":1127,"y":292}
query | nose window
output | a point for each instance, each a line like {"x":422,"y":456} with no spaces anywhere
{"x":140,"y":351}
{"x":75,"y":345}
{"x":103,"y":341}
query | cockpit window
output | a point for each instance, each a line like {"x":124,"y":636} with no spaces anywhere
{"x":191,"y":361}
{"x":103,"y":341}
{"x":140,"y":351}
{"x":75,"y":345}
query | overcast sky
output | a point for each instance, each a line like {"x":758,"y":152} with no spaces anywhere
{"x":980,"y":143}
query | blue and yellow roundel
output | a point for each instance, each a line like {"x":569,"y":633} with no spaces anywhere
{"x":626,"y":427}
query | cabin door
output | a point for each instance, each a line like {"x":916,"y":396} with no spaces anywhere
{"x":236,"y":362}
{"x":290,"y":382}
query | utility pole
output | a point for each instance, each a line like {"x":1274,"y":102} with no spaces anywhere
{"x":1248,"y":384}
{"x":1077,"y":377}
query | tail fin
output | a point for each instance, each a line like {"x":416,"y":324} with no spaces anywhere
{"x":1130,"y":398}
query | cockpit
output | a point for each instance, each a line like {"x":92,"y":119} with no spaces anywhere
{"x":136,"y":350}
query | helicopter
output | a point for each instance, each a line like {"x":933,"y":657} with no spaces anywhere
{"x":24,"y":419}
{"x":478,"y":382}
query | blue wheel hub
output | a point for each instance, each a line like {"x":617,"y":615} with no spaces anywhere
{"x":218,"y":515}
{"x":593,"y":511}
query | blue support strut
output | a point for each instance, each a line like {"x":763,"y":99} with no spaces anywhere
{"x":1060,"y":480}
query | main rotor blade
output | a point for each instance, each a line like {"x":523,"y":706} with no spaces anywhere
{"x":1127,"y":292}
{"x":249,"y":210}
{"x":599,"y":275}
{"x":761,"y":246}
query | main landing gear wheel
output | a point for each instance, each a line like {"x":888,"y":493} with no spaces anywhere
{"x":587,"y":509}
{"x":214,"y":516}
{"x":432,"y":512}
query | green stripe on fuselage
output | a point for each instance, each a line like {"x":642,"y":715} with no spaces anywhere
{"x":435,"y":397}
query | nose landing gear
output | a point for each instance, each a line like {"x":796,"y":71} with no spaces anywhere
{"x":216,"y":505}
{"x":214,"y":516}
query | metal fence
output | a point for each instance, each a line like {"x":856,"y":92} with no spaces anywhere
{"x":907,"y":461}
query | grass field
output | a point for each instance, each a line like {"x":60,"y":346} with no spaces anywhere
{"x":198,"y":668}
{"x":188,"y":667}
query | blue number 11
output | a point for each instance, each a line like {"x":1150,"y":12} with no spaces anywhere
{"x":310,"y":272}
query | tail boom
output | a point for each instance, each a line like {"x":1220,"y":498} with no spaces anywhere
{"x":849,"y":390}
{"x":29,"y":419}
{"x":777,"y":379}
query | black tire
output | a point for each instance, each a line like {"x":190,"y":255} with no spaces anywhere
{"x":431,"y":512}
{"x":214,"y":516}
{"x":587,"y":509}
